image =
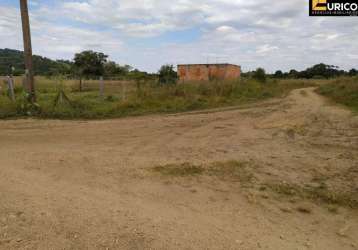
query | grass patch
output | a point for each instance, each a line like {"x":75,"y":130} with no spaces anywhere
{"x":150,"y":98}
{"x":181,"y":170}
{"x":320,"y":193}
{"x":343,"y":91}
{"x":303,"y":93}
{"x":304,"y":209}
{"x":243,"y":173}
{"x":233,"y":170}
{"x":230,"y":170}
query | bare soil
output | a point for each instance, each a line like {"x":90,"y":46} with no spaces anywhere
{"x":91,"y":184}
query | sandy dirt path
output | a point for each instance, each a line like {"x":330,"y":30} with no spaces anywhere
{"x":90,"y":184}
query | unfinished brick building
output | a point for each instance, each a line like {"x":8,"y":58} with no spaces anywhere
{"x":208,"y":72}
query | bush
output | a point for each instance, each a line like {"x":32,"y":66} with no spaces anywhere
{"x":167,"y":75}
{"x":342,"y":90}
{"x":25,"y":107}
{"x":259,"y":75}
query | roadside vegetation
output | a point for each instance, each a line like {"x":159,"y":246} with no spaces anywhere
{"x":64,"y":91}
{"x":343,"y":91}
{"x":132,"y":98}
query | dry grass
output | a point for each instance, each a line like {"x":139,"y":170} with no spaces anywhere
{"x":127,"y":99}
{"x":180,"y":170}
{"x":343,"y":91}
{"x":317,"y":194}
{"x":230,"y":170}
{"x":244,"y":173}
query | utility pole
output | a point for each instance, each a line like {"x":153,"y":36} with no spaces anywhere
{"x":27,"y":49}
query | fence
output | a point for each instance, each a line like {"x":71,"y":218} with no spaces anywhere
{"x":101,"y":85}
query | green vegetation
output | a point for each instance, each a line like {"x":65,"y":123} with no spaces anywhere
{"x":232,"y":170}
{"x":46,"y":67}
{"x":85,"y":64}
{"x":181,"y":170}
{"x":318,"y":71}
{"x":317,"y":194}
{"x":89,"y":63}
{"x":259,"y":75}
{"x":127,"y":99}
{"x":42,"y":65}
{"x":113,"y":69}
{"x":229,"y":170}
{"x":243,"y":173}
{"x":167,"y":75}
{"x":343,"y":90}
{"x":144,"y":93}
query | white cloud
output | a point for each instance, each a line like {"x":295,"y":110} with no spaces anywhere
{"x":55,"y":41}
{"x":266,"y":48}
{"x":271,"y":34}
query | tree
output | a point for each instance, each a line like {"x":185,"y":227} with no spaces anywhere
{"x":353,"y":72}
{"x":293,"y":73}
{"x":167,"y":74}
{"x":42,"y":65}
{"x":113,"y":69}
{"x":259,"y":75}
{"x":278,"y":74}
{"x":110,"y":68}
{"x":89,"y":63}
{"x":321,"y":70}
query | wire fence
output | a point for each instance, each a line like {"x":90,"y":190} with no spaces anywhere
{"x":46,"y":85}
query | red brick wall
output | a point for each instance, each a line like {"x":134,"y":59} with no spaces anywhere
{"x":206,"y":72}
{"x":233,"y":72}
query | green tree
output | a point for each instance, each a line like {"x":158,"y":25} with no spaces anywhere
{"x":89,"y":63}
{"x":167,"y":74}
{"x":259,"y":75}
{"x":293,"y":73}
{"x":278,"y":74}
{"x":353,"y":72}
{"x":113,"y":69}
{"x":321,"y":70}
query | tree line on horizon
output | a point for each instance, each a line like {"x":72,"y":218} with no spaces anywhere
{"x":318,"y":71}
{"x":89,"y":64}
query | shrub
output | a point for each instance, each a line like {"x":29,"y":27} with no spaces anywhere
{"x":25,"y":107}
{"x":342,"y":90}
{"x":167,"y":74}
{"x":259,"y":75}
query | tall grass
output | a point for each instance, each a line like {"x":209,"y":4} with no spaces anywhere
{"x":148,"y":98}
{"x":342,"y":90}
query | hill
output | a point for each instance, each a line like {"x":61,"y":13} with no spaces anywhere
{"x":42,"y":65}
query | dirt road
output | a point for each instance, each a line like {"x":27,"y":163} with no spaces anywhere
{"x":91,"y":184}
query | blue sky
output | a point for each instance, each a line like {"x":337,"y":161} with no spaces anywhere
{"x":148,"y":33}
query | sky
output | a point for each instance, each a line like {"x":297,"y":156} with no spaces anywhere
{"x":273,"y":34}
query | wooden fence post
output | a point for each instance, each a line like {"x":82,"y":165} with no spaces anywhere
{"x":80,"y":87}
{"x":101,"y":87}
{"x":10,"y":83}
